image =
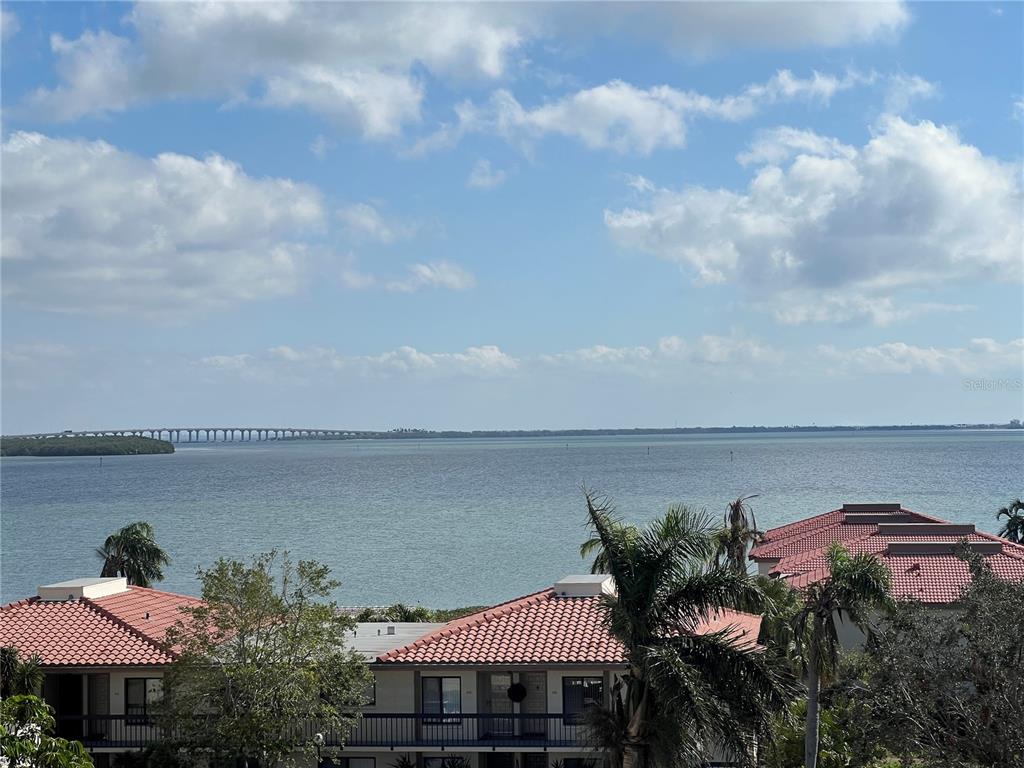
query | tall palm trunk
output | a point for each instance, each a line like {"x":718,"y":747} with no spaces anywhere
{"x":813,"y":713}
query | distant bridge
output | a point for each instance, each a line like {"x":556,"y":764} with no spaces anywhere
{"x":212,"y":434}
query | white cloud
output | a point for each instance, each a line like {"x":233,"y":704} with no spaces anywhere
{"x":357,"y":63}
{"x":484,"y":177}
{"x":227,"y":362}
{"x":352,"y":63}
{"x":624,"y":118}
{"x":916,"y":206}
{"x":904,"y":89}
{"x":706,"y":28}
{"x":632,"y":359}
{"x":1018,"y":108}
{"x":486,"y":360}
{"x":980,"y":356}
{"x":365,"y":221}
{"x":708,"y":350}
{"x":91,"y":228}
{"x":854,"y":309}
{"x":436,"y":274}
{"x":9,"y":25}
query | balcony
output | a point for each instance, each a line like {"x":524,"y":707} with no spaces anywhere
{"x":374,"y":730}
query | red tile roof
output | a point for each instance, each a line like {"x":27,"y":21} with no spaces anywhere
{"x":938,"y":577}
{"x":106,"y":631}
{"x":542,"y":628}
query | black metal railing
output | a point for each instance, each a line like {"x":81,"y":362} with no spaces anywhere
{"x":127,"y":731}
{"x":372,"y":730}
{"x":464,"y":730}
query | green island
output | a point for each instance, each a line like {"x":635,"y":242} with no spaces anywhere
{"x":82,"y":446}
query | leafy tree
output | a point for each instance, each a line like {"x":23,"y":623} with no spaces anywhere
{"x":17,"y":677}
{"x":853,"y":587}
{"x":26,"y":740}
{"x":683,"y":693}
{"x":1013,"y":528}
{"x":739,"y":535}
{"x":947,"y":687}
{"x":262,"y":657}
{"x":133,"y":552}
{"x":788,"y":749}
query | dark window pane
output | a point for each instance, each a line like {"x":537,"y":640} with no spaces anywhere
{"x":579,"y":693}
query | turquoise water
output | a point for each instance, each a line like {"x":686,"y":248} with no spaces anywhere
{"x":457,"y":522}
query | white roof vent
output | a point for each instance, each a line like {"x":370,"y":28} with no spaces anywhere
{"x":76,"y":589}
{"x":586,"y":585}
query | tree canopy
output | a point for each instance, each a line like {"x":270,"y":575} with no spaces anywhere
{"x":685,"y":693}
{"x":133,"y":552}
{"x":946,"y":687}
{"x":27,"y":741}
{"x":264,"y":658}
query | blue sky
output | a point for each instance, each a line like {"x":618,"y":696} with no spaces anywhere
{"x":511,"y":216}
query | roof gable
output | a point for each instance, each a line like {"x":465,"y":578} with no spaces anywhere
{"x":108,"y":631}
{"x":543,"y":628}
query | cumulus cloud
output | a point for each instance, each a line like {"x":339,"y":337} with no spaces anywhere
{"x":436,"y":274}
{"x":91,"y":228}
{"x":980,"y":356}
{"x":915,"y":206}
{"x":352,"y":63}
{"x":623,"y":117}
{"x":358,"y":64}
{"x":484,"y":177}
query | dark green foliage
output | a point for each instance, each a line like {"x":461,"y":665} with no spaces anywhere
{"x":83,"y":446}
{"x":946,"y":685}
{"x":739,"y":535}
{"x":1013,"y":528}
{"x":26,"y":728}
{"x":19,"y":677}
{"x":133,"y":552}
{"x":855,"y":585}
{"x":264,"y":656}
{"x":683,"y":691}
{"x":401,"y":612}
{"x":403,"y":761}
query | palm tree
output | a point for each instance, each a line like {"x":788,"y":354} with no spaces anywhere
{"x":739,"y":535}
{"x":855,"y":585}
{"x":682,"y":691}
{"x":133,"y":552}
{"x":1013,"y":528}
{"x":17,"y":677}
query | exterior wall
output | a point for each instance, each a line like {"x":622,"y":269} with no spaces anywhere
{"x":395,"y":691}
{"x":764,"y":567}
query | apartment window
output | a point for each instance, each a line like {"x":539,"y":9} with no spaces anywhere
{"x":139,"y":695}
{"x":579,"y":694}
{"x":442,"y":697}
{"x":370,"y":697}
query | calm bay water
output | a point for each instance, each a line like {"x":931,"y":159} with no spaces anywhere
{"x":459,"y":522}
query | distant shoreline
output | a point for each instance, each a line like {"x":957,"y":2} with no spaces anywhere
{"x":415,"y":434}
{"x":428,"y":434}
{"x":82,"y":446}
